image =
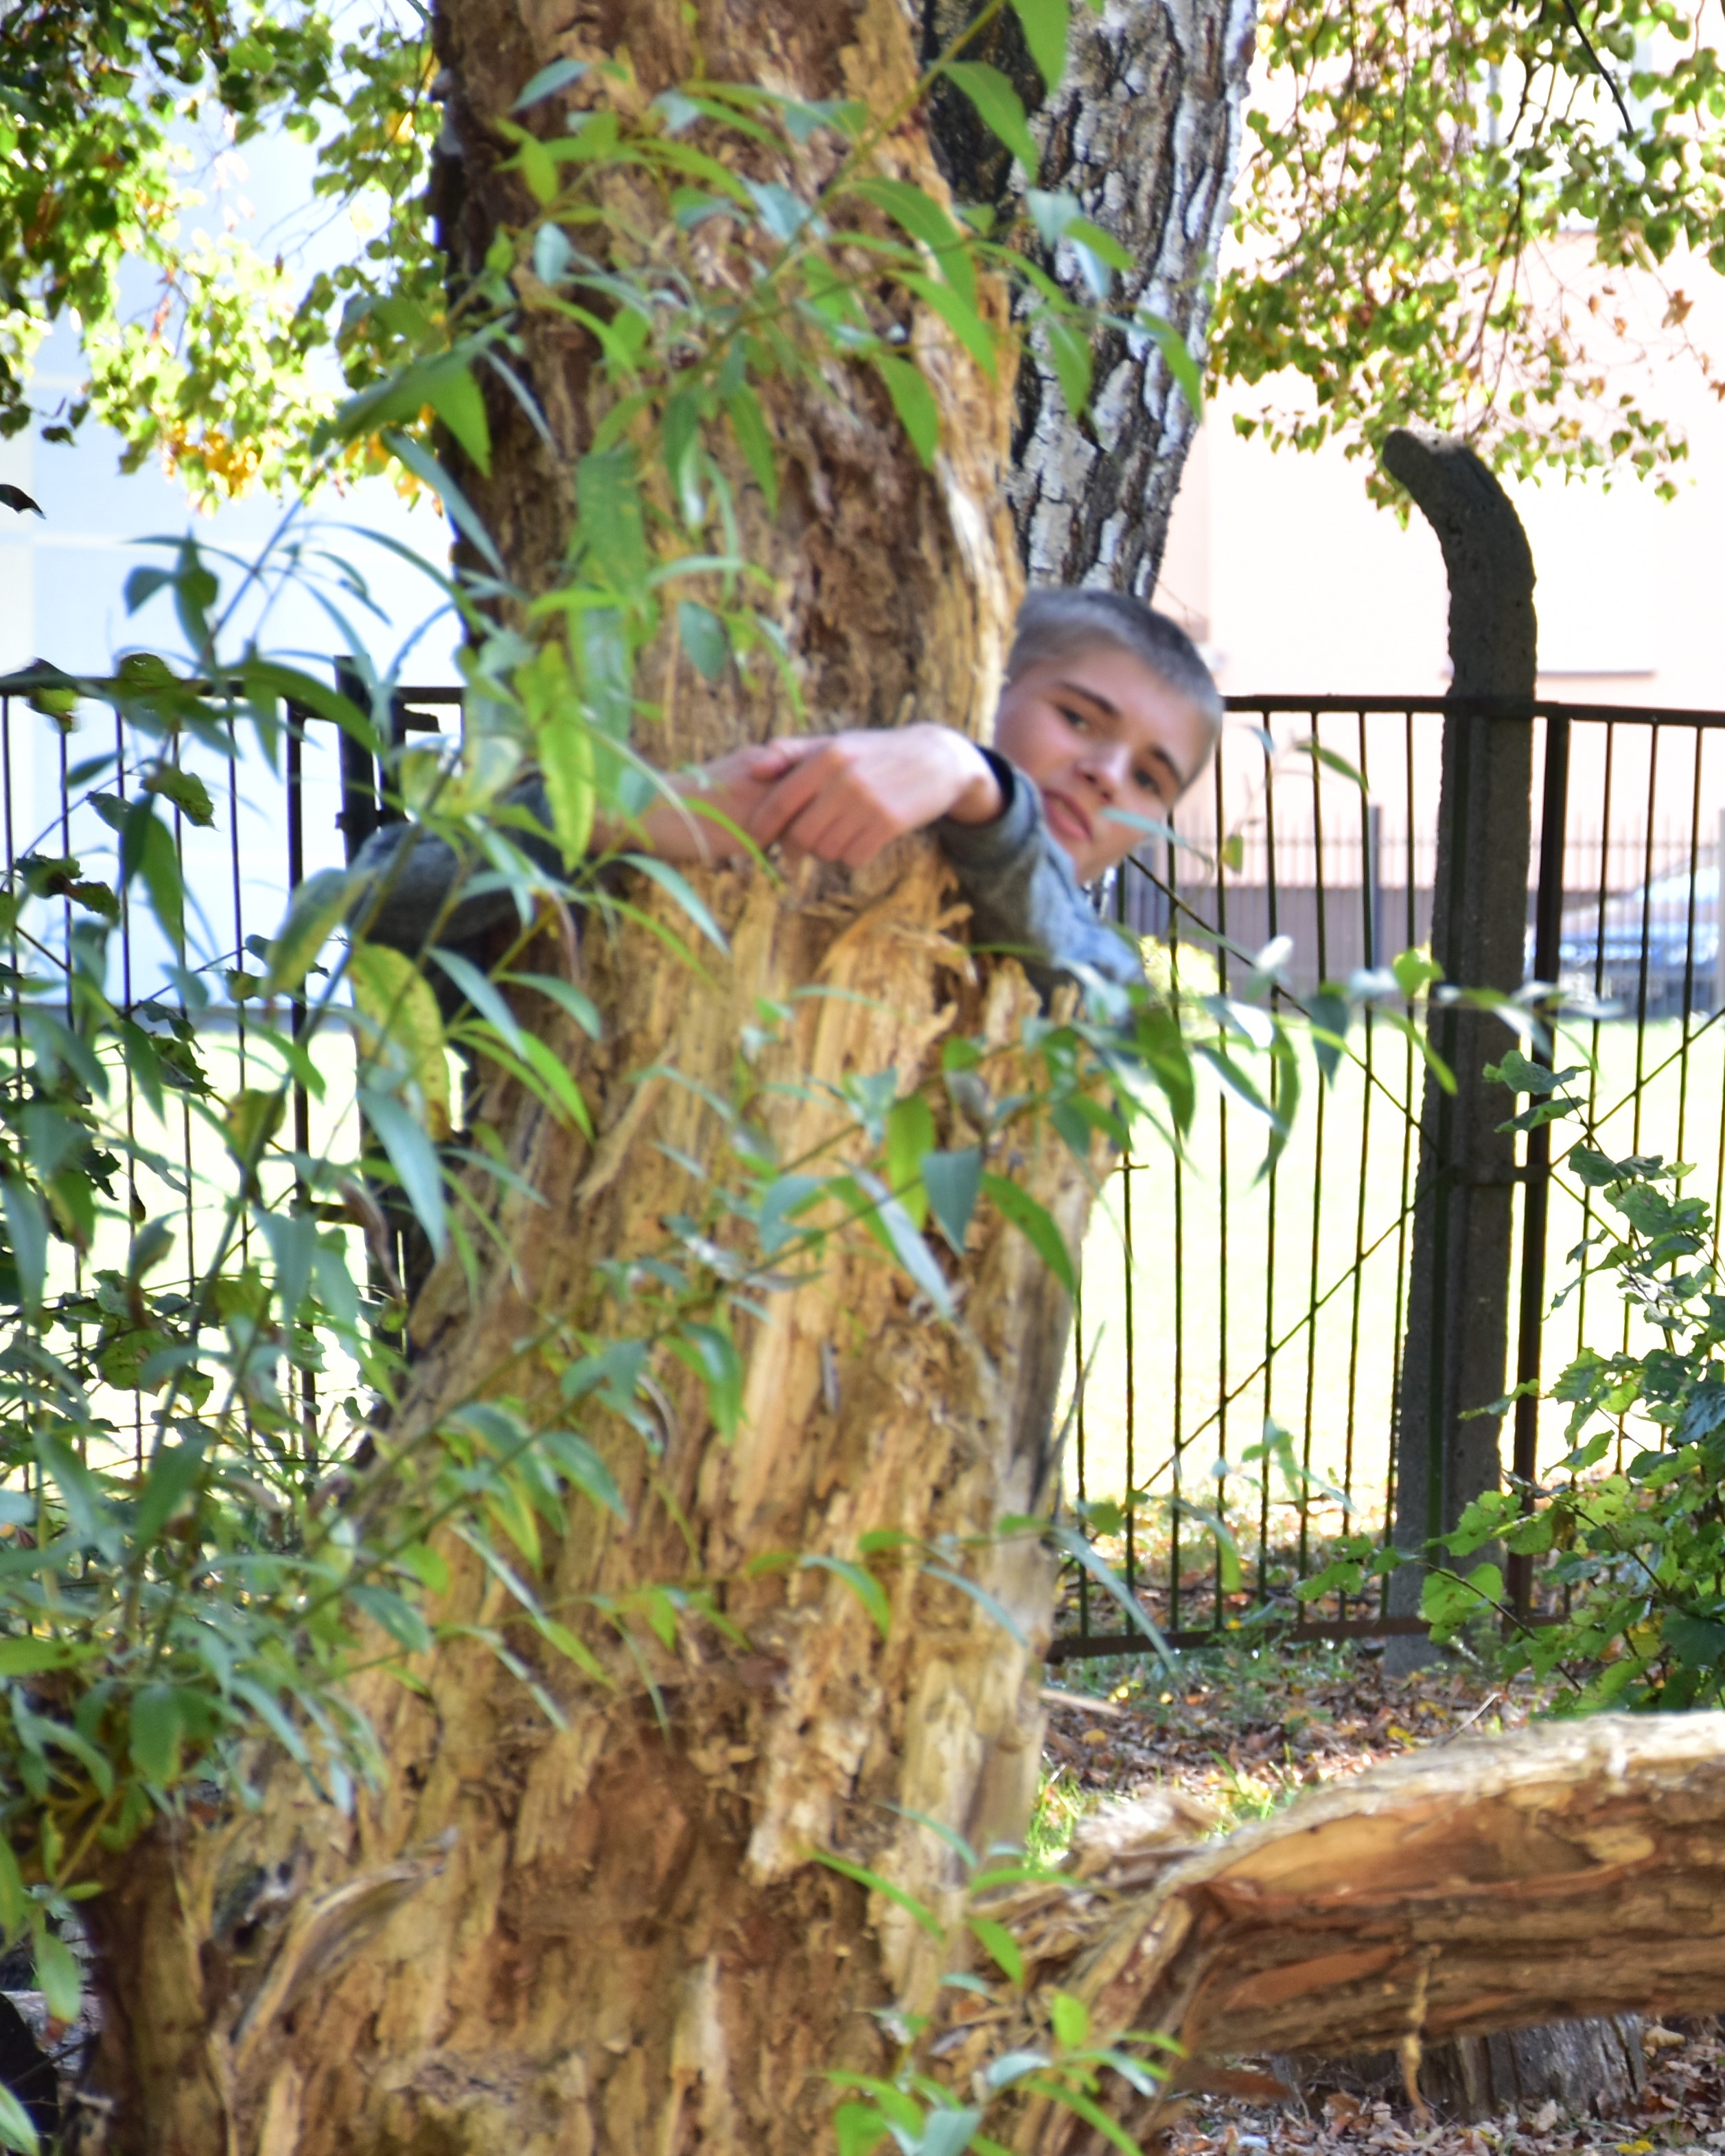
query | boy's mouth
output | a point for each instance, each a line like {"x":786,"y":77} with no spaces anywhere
{"x":1066,"y":820}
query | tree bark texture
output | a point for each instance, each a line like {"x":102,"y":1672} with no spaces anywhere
{"x":1565,"y":1873}
{"x":1146,"y":131}
{"x":610,"y":1939}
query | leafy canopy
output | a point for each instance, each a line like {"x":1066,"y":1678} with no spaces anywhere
{"x":1426,"y":181}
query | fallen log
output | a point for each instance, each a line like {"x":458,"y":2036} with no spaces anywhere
{"x":1562,"y":1872}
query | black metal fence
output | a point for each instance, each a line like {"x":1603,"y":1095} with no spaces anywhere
{"x":1221,"y":1298}
{"x":1231,"y":1299}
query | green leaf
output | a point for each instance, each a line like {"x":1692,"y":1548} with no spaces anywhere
{"x":1699,"y":1642}
{"x":558,"y":75}
{"x":998,"y":106}
{"x":314,"y":914}
{"x":704,"y":639}
{"x":1069,"y":356}
{"x":414,"y":1159}
{"x":57,"y":1977}
{"x":16,"y":2130}
{"x":575,"y":1459}
{"x":172,"y":1474}
{"x":948,"y":2132}
{"x":186,"y":790}
{"x":1037,"y":1224}
{"x":893,"y":1227}
{"x":875,"y":1884}
{"x":861,"y":1582}
{"x":1000,"y":1944}
{"x":859,"y":2128}
{"x":674,"y":882}
{"x":963,"y":321}
{"x":25,"y":1657}
{"x":921,"y":217}
{"x":742,"y":408}
{"x":405,"y":1026}
{"x":913,"y":401}
{"x":953,"y":1182}
{"x":14,"y":1901}
{"x":607,"y":497}
{"x":462,"y":514}
{"x":1071,"y":2020}
{"x":479,"y":990}
{"x":910,"y":1136}
{"x":27,"y":1227}
{"x":1045,"y":24}
{"x":157,"y":1733}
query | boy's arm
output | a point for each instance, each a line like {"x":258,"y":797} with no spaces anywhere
{"x":1024,"y":894}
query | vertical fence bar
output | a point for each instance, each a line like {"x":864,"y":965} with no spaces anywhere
{"x":1221,"y":1195}
{"x":1179,"y":1457}
{"x":1536,"y":1198}
{"x":1273,"y":881}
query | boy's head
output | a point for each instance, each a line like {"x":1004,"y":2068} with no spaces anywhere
{"x":1107,"y":707}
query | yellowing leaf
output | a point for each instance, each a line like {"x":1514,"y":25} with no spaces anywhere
{"x":403,"y":1027}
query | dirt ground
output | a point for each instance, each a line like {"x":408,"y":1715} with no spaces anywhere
{"x":1245,"y":1732}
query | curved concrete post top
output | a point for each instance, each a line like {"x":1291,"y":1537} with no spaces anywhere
{"x":1493,"y":634}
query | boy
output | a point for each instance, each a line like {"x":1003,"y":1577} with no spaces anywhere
{"x":1108,"y":715}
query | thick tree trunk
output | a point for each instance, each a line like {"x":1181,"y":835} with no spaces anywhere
{"x":1146,"y":131}
{"x":611,"y":1936}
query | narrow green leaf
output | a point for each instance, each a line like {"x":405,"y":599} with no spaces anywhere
{"x":674,"y":882}
{"x":170,"y":1478}
{"x":999,"y":107}
{"x":703,"y":637}
{"x":558,"y":75}
{"x":414,"y":1159}
{"x":16,"y":2130}
{"x":1070,"y":355}
{"x":27,"y":1227}
{"x":314,"y":914}
{"x":913,"y":401}
{"x":607,"y":497}
{"x":748,"y":422}
{"x":910,"y":1138}
{"x":1003,"y":1948}
{"x":14,"y":1901}
{"x":57,"y":1977}
{"x":921,"y":217}
{"x":875,"y":1884}
{"x":861,"y":1582}
{"x":481,"y":991}
{"x":1071,"y":2019}
{"x":1045,"y":24}
{"x":953,"y":1182}
{"x":158,"y":1732}
{"x":971,"y":332}
{"x":1037,"y":1224}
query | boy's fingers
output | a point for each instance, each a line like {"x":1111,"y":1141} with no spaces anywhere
{"x":785,"y":803}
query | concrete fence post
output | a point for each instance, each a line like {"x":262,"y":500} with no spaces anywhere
{"x":1456,"y":1345}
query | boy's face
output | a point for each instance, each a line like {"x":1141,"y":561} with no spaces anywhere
{"x":1097,"y":730}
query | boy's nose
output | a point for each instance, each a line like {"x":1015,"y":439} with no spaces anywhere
{"x":1105,"y":767}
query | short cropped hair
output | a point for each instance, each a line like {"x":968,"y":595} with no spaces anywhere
{"x":1070,"y":618}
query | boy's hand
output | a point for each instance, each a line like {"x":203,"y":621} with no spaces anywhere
{"x":847,"y":796}
{"x":734,"y":786}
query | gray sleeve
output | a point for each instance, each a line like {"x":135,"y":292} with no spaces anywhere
{"x":417,"y":872}
{"x":1024,"y":895}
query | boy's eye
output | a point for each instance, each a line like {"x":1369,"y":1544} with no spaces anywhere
{"x":1076,"y":720}
{"x":1149,"y":781}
